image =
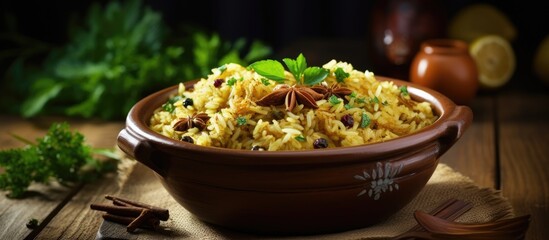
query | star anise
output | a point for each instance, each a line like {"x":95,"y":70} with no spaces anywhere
{"x":197,"y":120}
{"x":291,"y":96}
{"x":335,"y":90}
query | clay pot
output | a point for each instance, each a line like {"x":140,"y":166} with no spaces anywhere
{"x":446,"y":66}
{"x":397,"y":29}
{"x":295,"y":192}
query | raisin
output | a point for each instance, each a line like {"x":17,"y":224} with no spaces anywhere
{"x":320,"y":143}
{"x":348,"y":120}
{"x":218,"y":82}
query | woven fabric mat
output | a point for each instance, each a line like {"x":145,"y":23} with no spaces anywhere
{"x":142,"y":185}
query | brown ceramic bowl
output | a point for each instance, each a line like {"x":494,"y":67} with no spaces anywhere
{"x":295,"y":192}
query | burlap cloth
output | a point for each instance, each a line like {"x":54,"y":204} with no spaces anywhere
{"x":446,"y":183}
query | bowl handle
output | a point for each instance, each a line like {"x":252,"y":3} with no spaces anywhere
{"x":458,"y":121}
{"x":139,"y":149}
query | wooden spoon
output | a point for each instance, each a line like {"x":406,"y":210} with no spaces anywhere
{"x":450,"y":210}
{"x":512,"y":228}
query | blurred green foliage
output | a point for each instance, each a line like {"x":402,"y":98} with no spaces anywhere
{"x":123,"y":53}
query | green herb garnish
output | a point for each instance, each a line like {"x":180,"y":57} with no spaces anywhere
{"x":334,"y":100}
{"x":353,"y":95}
{"x":300,"y":138}
{"x":265,"y":81}
{"x":274,"y":70}
{"x":374,"y":100}
{"x":297,"y":67}
{"x":341,"y":75}
{"x":348,"y":106}
{"x":270,"y":69}
{"x":365,"y":120}
{"x":231,"y":81}
{"x":404,"y":90}
{"x":241,"y":121}
{"x":168,"y":106}
{"x":314,"y":75}
{"x":60,"y":155}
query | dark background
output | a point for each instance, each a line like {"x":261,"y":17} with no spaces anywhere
{"x":279,"y":23}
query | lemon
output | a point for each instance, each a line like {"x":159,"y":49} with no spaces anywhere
{"x":481,"y":19}
{"x":541,"y":60}
{"x":495,"y":60}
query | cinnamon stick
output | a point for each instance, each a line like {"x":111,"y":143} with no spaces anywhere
{"x":132,"y":213}
{"x":140,"y":221}
{"x":120,"y":203}
{"x":118,"y":210}
{"x":162,"y":213}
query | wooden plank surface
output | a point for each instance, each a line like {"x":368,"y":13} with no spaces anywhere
{"x":474,"y":154}
{"x":76,"y":220}
{"x":524,"y":157}
{"x":40,"y":201}
{"x":43,"y":202}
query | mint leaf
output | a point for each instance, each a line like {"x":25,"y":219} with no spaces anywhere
{"x":292,"y":66}
{"x":340,"y":74}
{"x":297,"y":67}
{"x":314,"y":75}
{"x":270,"y":69}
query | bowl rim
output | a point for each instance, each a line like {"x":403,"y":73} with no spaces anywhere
{"x":138,"y":118}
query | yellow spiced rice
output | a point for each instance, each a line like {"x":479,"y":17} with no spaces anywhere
{"x":380,"y":111}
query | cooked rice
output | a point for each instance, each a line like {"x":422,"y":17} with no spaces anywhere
{"x":273,"y":128}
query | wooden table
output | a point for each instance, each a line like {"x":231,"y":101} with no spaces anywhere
{"x":506,"y":148}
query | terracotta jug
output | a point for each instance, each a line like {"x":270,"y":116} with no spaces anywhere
{"x":445,"y":65}
{"x":397,"y":29}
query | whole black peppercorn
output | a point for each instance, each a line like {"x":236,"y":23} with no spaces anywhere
{"x":348,"y":120}
{"x":320,"y":143}
{"x":258,"y":148}
{"x":187,"y":139}
{"x":188,"y":102}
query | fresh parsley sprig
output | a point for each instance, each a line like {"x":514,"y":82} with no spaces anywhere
{"x":274,"y":70}
{"x":61,"y":155}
